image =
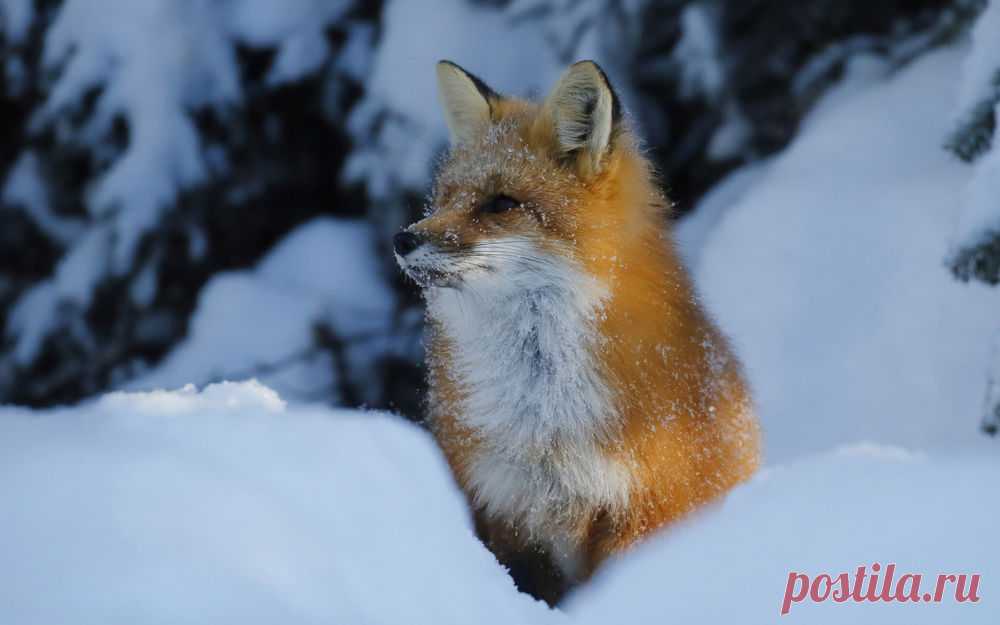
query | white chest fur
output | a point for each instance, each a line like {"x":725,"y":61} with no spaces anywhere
{"x":523,"y":355}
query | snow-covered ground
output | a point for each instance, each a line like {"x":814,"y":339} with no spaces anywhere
{"x":829,"y":514}
{"x":824,"y":265}
{"x":229,"y":506}
{"x":226,"y":506}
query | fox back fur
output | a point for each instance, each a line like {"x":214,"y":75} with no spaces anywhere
{"x":580,"y":393}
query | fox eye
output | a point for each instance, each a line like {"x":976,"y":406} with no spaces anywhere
{"x":499,"y":204}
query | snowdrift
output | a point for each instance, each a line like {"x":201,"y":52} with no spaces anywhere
{"x":857,"y":506}
{"x":226,"y":505}
{"x":826,"y":268}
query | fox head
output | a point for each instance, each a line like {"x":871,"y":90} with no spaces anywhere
{"x":527,"y":188}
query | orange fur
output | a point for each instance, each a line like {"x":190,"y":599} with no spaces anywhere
{"x":685,"y":431}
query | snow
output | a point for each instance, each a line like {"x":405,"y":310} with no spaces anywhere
{"x":151,"y":66}
{"x":826,"y":272}
{"x":15,"y":19}
{"x":33,"y":315}
{"x":333,"y":257}
{"x":692,"y":233}
{"x":731,"y":138}
{"x":242,"y":324}
{"x":43,"y":308}
{"x":265,"y":22}
{"x":231,"y":396}
{"x":228,"y":506}
{"x":297,"y":28}
{"x":261,"y":322}
{"x":981,"y":67}
{"x":702,"y":73}
{"x":399,"y":124}
{"x":828,"y":514}
{"x":402,"y":151}
{"x":979,"y":97}
{"x":26,"y":189}
{"x":697,"y":53}
{"x":979,"y":222}
{"x":152,"y":91}
{"x":991,"y":407}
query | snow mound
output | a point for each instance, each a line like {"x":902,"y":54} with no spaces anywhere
{"x":261,"y":322}
{"x":225,"y":506}
{"x":830,"y":514}
{"x":223,"y":397}
{"x":825,"y":269}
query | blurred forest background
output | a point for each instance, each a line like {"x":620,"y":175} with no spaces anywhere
{"x":196,"y":190}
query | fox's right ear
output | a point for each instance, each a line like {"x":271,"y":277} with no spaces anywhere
{"x":585,"y":114}
{"x":467,"y":101}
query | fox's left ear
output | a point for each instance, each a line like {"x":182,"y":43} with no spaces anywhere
{"x":584,"y":111}
{"x":468,"y":101}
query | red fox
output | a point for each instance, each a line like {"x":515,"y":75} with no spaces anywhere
{"x":581,"y":395}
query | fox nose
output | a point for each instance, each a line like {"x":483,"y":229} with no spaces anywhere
{"x":405,"y":242}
